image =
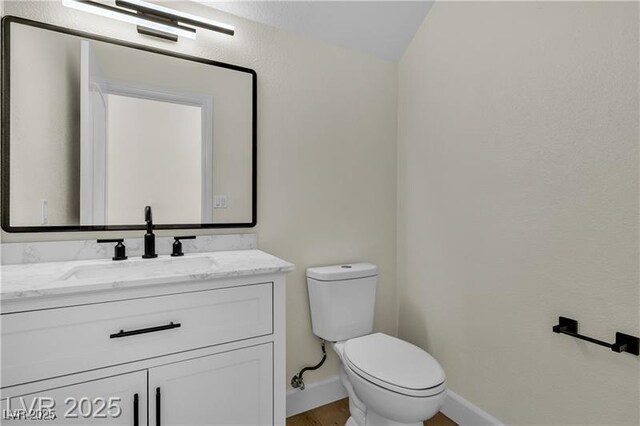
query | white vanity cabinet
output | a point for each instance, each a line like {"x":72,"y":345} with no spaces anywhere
{"x":234,"y":387}
{"x":116,"y":400}
{"x":203,"y":351}
{"x":79,"y":338}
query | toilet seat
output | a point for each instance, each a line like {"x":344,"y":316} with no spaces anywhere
{"x":395,"y":365}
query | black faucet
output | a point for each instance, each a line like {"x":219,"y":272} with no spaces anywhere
{"x":149,"y":237}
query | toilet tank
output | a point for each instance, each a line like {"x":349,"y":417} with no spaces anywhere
{"x":342,"y":300}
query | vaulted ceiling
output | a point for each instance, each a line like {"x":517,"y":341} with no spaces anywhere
{"x":380,"y":28}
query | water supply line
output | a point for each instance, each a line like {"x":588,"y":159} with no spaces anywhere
{"x":297,"y":380}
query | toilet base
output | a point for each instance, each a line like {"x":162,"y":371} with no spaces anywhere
{"x":361,"y":415}
{"x":373,"y":419}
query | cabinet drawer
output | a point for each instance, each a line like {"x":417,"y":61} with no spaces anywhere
{"x":48,"y":343}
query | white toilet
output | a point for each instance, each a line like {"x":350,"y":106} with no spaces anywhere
{"x":389,"y":381}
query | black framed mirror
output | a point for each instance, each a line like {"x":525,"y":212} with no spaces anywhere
{"x":94,"y":129}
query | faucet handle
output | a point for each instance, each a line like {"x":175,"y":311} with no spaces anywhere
{"x":120,"y":251}
{"x":177,"y":245}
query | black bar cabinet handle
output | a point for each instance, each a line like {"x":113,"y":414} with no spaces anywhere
{"x":123,"y":333}
{"x":158,"y":406}
{"x":136,"y":420}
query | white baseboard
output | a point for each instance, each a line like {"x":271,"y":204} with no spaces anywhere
{"x":315,"y":395}
{"x":320,"y":393}
{"x":465,"y":413}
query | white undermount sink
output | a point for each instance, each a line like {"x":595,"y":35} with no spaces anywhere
{"x":141,"y":268}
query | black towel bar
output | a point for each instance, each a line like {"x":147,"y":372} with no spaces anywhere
{"x":623,"y":343}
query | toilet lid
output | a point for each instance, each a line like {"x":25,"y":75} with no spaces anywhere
{"x":394,"y":364}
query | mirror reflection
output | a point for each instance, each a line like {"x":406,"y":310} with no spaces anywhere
{"x":100,"y":130}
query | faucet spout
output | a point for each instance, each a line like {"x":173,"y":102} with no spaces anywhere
{"x":148,"y":218}
{"x":149,"y":237}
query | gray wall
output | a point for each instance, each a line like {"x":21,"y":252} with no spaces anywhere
{"x":518,"y":202}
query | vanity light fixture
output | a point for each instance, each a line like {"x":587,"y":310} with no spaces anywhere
{"x":175,"y":15}
{"x":152,"y":19}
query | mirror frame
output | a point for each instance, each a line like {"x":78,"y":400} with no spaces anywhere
{"x":5,"y":136}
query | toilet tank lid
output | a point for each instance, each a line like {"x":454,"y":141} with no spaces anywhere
{"x":345,"y":271}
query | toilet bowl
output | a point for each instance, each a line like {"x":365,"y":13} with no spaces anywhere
{"x":389,"y":381}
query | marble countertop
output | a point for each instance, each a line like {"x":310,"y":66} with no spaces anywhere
{"x":54,"y":278}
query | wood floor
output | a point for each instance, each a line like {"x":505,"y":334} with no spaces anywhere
{"x":337,"y":414}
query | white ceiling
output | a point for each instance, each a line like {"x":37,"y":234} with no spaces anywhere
{"x":381,"y":28}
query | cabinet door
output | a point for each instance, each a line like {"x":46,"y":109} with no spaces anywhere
{"x":116,"y":400}
{"x":230,"y":388}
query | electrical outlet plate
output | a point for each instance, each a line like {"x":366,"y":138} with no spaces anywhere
{"x":219,"y":201}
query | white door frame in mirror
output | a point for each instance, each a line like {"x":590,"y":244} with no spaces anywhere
{"x":93,"y":170}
